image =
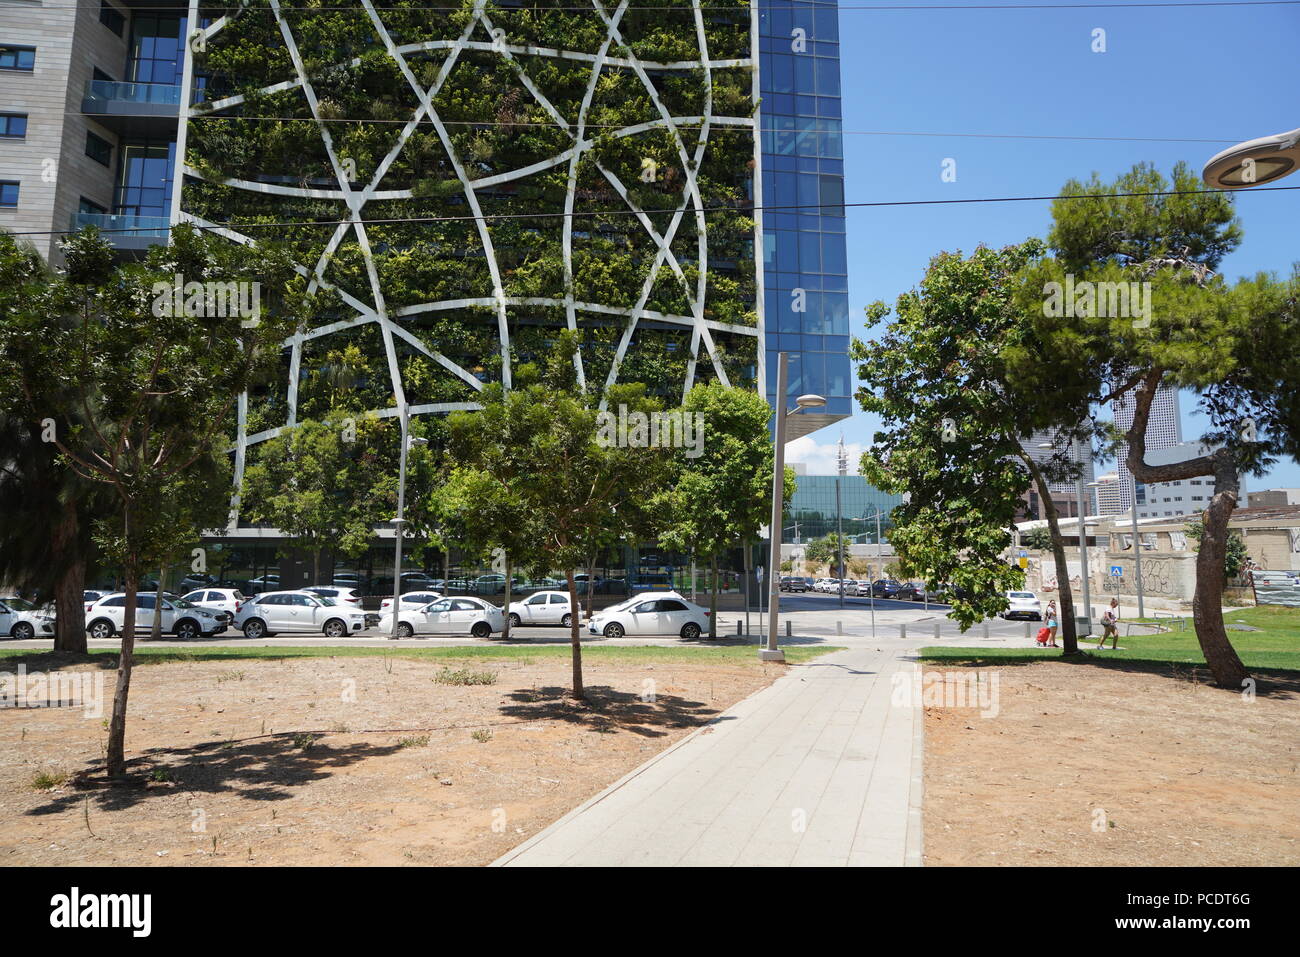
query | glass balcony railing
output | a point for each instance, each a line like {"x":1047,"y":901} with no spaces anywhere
{"x":123,"y":226}
{"x":153,"y":94}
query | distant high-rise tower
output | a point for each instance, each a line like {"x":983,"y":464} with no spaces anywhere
{"x":1164,"y":431}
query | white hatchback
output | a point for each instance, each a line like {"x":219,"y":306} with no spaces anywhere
{"x":542,"y":608}
{"x":411,"y":600}
{"x":225,"y":602}
{"x":22,"y":619}
{"x":458,"y":615}
{"x":297,"y":612}
{"x":108,"y":615}
{"x":653,"y":613}
{"x":1023,"y":604}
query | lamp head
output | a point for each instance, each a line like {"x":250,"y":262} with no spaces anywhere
{"x":1254,"y":162}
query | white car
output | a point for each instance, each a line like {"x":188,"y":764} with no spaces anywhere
{"x":107,"y":616}
{"x":21,"y":619}
{"x":1023,"y":604}
{"x":92,"y":595}
{"x":224,"y":602}
{"x":340,"y":593}
{"x":411,"y":600}
{"x":653,"y":613}
{"x":447,"y":616}
{"x":298,"y":612}
{"x":542,"y":608}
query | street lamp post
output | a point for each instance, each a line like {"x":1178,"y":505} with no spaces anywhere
{"x":842,"y":460}
{"x":772,"y":652}
{"x":400,"y":520}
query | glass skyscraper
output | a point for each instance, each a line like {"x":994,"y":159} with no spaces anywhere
{"x":805,"y":264}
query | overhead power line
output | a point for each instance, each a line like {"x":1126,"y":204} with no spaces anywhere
{"x":686,"y":209}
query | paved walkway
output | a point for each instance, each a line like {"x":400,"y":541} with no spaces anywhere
{"x":820,"y":768}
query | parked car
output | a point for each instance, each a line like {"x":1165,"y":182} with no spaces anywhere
{"x":653,"y":613}
{"x":224,"y":602}
{"x":92,"y":595}
{"x":298,"y":612}
{"x":792,"y":584}
{"x":341,"y":594}
{"x":447,"y":616}
{"x":885,"y":588}
{"x":906,"y":591}
{"x":542,"y":608}
{"x":652,"y":582}
{"x":413,"y":599}
{"x":180,"y":618}
{"x":939,"y":593}
{"x":21,"y":619}
{"x":1023,"y":604}
{"x":263,"y":583}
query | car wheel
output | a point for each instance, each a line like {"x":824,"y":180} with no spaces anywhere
{"x":690,"y":631}
{"x":404,"y":630}
{"x":101,"y":628}
{"x":23,"y":630}
{"x":335,"y":628}
{"x":481,"y":629}
{"x":255,"y":628}
{"x":187,"y":630}
{"x":567,"y":621}
{"x":514,"y":620}
{"x":614,"y":630}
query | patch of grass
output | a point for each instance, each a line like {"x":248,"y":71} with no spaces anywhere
{"x":234,"y":675}
{"x":304,"y":741}
{"x":730,"y":654}
{"x":465,"y":676}
{"x":414,"y":741}
{"x":48,"y":780}
{"x":1275,"y":647}
{"x":482,"y":735}
{"x":160,"y":775}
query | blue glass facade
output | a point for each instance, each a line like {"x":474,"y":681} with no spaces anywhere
{"x":811,"y":512}
{"x":805,"y":262}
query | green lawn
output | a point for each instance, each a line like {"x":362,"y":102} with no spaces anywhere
{"x":1275,"y":647}
{"x":728,"y":654}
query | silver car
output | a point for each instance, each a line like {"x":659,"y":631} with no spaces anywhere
{"x":299,"y":613}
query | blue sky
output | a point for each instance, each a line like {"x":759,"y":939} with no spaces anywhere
{"x":1187,"y":73}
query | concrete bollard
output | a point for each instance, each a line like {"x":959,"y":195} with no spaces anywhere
{"x":739,"y":627}
{"x":1027,"y":635}
{"x":902,"y":632}
{"x":986,"y":631}
{"x":936,"y":631}
{"x":839,"y":628}
{"x":788,"y":632}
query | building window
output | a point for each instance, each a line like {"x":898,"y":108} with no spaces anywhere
{"x":17,"y":58}
{"x":156,"y":52}
{"x":90,"y":207}
{"x":13,"y":125}
{"x":99,"y":149}
{"x":145,"y":180}
{"x":109,"y":17}
{"x":8,"y":193}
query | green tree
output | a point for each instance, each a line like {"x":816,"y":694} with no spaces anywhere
{"x":541,"y":440}
{"x":1233,"y":344}
{"x":152,"y":389}
{"x":1236,"y":555}
{"x":953,"y":419}
{"x":830,"y":550}
{"x":722,"y":488}
{"x":1039,"y":539}
{"x":323,"y":484}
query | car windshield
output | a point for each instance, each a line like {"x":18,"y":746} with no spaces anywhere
{"x":17,"y":604}
{"x":328,"y":602}
{"x":182,"y":603}
{"x":1022,"y":594}
{"x":622,"y":606}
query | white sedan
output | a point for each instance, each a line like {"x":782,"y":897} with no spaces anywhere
{"x":542,"y":608}
{"x":297,"y":612}
{"x":447,"y":616}
{"x":22,"y":619}
{"x":653,"y":613}
{"x":224,"y":602}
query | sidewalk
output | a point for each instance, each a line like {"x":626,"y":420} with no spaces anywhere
{"x":817,"y":769}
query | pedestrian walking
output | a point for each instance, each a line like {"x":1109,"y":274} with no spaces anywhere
{"x":1052,"y":623}
{"x":1110,"y":625}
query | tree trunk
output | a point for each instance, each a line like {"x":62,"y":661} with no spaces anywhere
{"x":575,"y":639}
{"x":70,"y":586}
{"x":505,"y":602}
{"x":1207,"y":601}
{"x":315,"y":573}
{"x":713,"y":601}
{"x":155,"y":633}
{"x":1069,"y":637}
{"x":116,"y":752}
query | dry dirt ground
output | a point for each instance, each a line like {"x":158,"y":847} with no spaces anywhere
{"x":265,"y":762}
{"x":1114,"y":766}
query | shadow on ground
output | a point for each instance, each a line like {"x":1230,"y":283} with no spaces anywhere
{"x":609,"y":711}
